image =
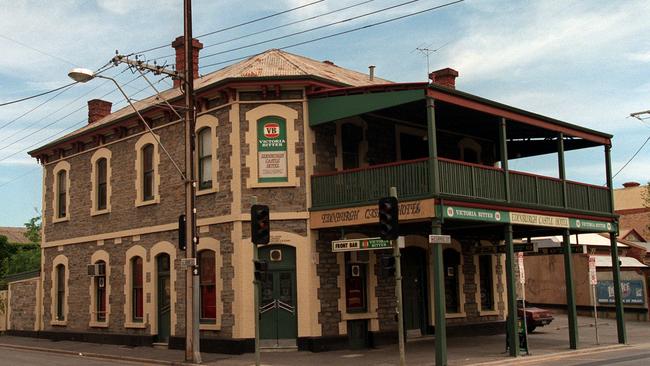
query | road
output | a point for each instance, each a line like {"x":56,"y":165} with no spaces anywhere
{"x":632,"y":356}
{"x":19,"y":357}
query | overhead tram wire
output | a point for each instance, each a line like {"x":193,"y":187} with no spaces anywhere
{"x":276,"y":27}
{"x":434,"y":8}
{"x":76,"y":125}
{"x":312,"y":29}
{"x":632,"y":158}
{"x":236,"y":25}
{"x":57,"y":121}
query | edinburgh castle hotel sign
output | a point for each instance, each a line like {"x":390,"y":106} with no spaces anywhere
{"x":411,"y":210}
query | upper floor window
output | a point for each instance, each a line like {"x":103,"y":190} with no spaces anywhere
{"x":207,"y":282}
{"x":351,"y":137}
{"x":147,"y":173}
{"x":205,"y":158}
{"x":61,"y":194}
{"x":60,"y":292}
{"x":102,"y":193}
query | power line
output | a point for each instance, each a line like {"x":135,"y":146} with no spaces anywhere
{"x":37,"y":95}
{"x":236,"y":25}
{"x":633,"y":156}
{"x":277,"y":27}
{"x":39,"y":51}
{"x":312,"y":29}
{"x":33,"y":109}
{"x":344,"y":32}
{"x":31,"y":171}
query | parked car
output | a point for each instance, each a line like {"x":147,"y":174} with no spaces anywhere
{"x":535,"y":317}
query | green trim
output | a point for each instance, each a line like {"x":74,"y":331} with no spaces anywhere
{"x":322,"y":110}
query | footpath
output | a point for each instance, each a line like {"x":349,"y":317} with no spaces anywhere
{"x":546,"y":344}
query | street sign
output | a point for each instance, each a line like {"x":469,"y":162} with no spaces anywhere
{"x":350,"y":245}
{"x":593,"y":278}
{"x":439,"y":239}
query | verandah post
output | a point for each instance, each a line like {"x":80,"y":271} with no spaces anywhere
{"x":512,"y":332}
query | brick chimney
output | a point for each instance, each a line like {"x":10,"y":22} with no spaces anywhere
{"x":98,"y":109}
{"x":445,"y":77}
{"x":179,"y":46}
{"x":631,"y":184}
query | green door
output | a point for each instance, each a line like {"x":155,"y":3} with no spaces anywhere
{"x":414,"y":289}
{"x":278,"y":310}
{"x":164,"y":298}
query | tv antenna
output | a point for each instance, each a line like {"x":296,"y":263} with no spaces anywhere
{"x":426,"y":50}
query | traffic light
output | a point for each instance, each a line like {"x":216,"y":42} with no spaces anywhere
{"x":388,"y":265}
{"x":388,"y":218}
{"x":182,"y":242}
{"x":260,"y":231}
{"x":260,"y":269}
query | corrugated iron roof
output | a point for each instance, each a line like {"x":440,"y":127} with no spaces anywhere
{"x":14,"y":234}
{"x":268,"y":64}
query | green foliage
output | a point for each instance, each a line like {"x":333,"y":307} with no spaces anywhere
{"x":33,"y":233}
{"x":24,"y":261}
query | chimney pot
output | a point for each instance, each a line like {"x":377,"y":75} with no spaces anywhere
{"x":98,"y":109}
{"x":371,"y":70}
{"x":179,"y":46}
{"x":631,"y":184}
{"x":445,"y":77}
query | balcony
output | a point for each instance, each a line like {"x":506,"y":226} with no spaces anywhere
{"x":458,"y":181}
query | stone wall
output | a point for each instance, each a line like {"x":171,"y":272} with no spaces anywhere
{"x":3,"y":310}
{"x":327,"y":269}
{"x":22,"y":304}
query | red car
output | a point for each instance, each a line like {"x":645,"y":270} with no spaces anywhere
{"x":535,"y":317}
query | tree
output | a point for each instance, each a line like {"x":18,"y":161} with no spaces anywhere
{"x":33,"y":233}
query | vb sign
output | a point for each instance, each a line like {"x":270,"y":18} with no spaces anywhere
{"x":272,"y":149}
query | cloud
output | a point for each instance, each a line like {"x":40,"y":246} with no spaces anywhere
{"x":643,"y":57}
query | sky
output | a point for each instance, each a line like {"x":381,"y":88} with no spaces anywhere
{"x":583,"y":62}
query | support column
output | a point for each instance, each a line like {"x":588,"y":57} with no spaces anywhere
{"x":616,"y":267}
{"x":503,"y":149}
{"x":433,"y":148}
{"x":561,"y":168}
{"x":511,"y":330}
{"x":570,"y":291}
{"x":439,"y":298}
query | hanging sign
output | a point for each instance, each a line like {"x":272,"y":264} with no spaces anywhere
{"x":593,"y":278}
{"x":349,"y":245}
{"x":520,"y":262}
{"x":272,"y":149}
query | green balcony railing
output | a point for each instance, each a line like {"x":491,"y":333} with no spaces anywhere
{"x":458,"y":180}
{"x":367,"y":185}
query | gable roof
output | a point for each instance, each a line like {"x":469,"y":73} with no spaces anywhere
{"x":271,"y":64}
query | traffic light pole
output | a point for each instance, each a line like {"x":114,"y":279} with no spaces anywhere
{"x":398,"y":293}
{"x":256,"y":289}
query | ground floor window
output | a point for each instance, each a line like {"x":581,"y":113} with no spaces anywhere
{"x":60,"y":292}
{"x":451,"y":261}
{"x":136,"y":297}
{"x":100,"y":292}
{"x":207,"y":281}
{"x":486,"y":282}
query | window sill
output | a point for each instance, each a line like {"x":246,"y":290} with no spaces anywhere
{"x":274,"y":184}
{"x":135,"y":325}
{"x":154,"y":201}
{"x":488,"y":312}
{"x":358,"y":316}
{"x":98,"y":324}
{"x":59,"y":323}
{"x":203,"y":192}
{"x":209,"y":326}
{"x":455,"y":315}
{"x":60,"y":219}
{"x":102,"y":212}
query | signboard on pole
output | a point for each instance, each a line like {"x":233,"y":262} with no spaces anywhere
{"x":593,"y":278}
{"x":520,"y":262}
{"x":350,"y":245}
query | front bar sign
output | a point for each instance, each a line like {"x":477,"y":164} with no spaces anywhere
{"x":349,"y":245}
{"x":272,"y":149}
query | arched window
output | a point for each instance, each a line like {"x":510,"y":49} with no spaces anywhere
{"x":61,"y":194}
{"x":60,"y":292}
{"x":207,"y":282}
{"x":100,"y":291}
{"x":102,"y":192}
{"x":205,"y":158}
{"x":147,"y":173}
{"x":137,"y":299}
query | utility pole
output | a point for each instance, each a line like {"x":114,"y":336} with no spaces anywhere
{"x":192,"y":337}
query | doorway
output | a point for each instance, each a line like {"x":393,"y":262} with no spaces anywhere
{"x":414,"y":288}
{"x":164,"y":297}
{"x":278,"y":303}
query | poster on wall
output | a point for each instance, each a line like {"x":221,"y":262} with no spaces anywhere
{"x":632,"y":291}
{"x":272,"y":149}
